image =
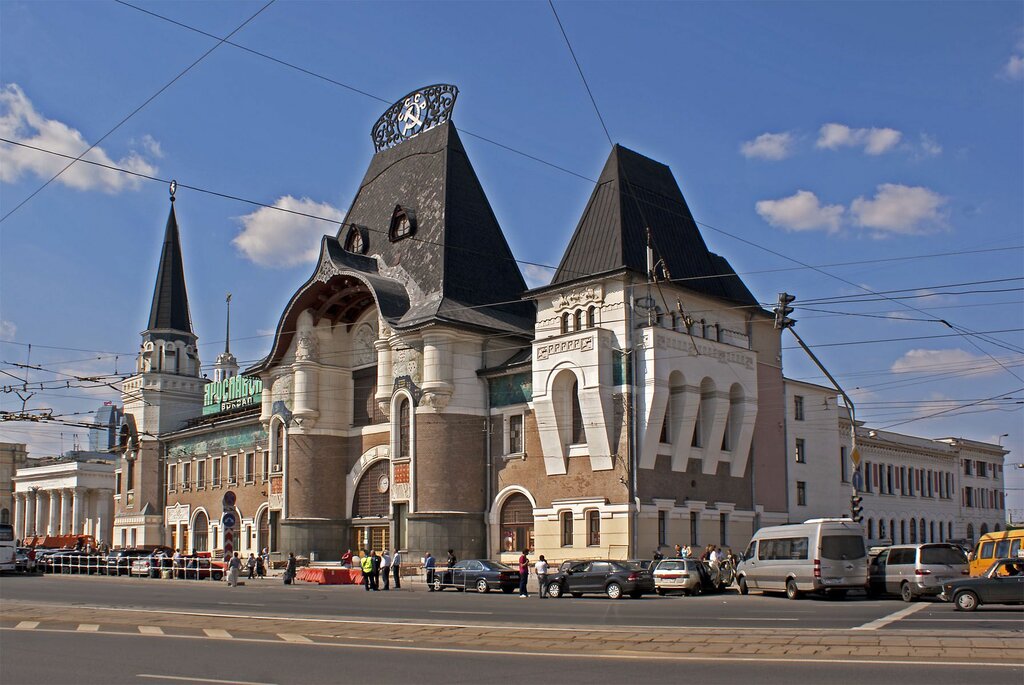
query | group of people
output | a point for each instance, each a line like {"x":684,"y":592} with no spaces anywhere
{"x":378,"y":569}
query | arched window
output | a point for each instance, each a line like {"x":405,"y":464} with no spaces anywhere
{"x":565,"y":519}
{"x":5,"y":515}
{"x":279,"y":451}
{"x":578,"y":434}
{"x":403,"y":428}
{"x":970,"y":532}
{"x":201,"y":532}
{"x":996,"y":528}
{"x":263,"y":530}
{"x":949,"y":530}
{"x":931,"y":531}
{"x":913,"y":530}
{"x":517,"y":523}
{"x":372,"y":498}
{"x":578,"y":320}
{"x":903,"y":533}
{"x":591,"y":316}
{"x":924,"y":530}
{"x":593,"y":528}
{"x":892,"y":531}
{"x":871,"y":528}
{"x":984,"y":529}
{"x":565,"y":323}
{"x":881,"y":529}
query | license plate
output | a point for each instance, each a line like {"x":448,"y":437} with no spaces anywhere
{"x":832,"y":581}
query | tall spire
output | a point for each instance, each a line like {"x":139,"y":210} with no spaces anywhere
{"x":226,"y":365}
{"x":170,"y":299}
{"x":227,"y":332}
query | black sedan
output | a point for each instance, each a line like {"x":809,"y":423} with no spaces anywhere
{"x":613,"y":578}
{"x":1002,"y":583}
{"x":481,"y":574}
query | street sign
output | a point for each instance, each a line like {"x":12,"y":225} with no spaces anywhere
{"x":858,"y":481}
{"x":229,"y":499}
{"x":229,"y":520}
{"x":855,"y":457}
{"x":229,"y":544}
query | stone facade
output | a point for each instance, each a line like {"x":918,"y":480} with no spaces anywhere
{"x":12,"y":458}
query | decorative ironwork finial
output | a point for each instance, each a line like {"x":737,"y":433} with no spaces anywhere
{"x":419,"y":111}
{"x":174,"y":187}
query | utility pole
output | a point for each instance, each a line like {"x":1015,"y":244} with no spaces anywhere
{"x":784,"y":322}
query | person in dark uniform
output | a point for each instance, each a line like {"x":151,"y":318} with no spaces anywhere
{"x":375,"y":572}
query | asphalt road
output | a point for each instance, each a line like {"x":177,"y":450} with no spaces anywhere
{"x":101,"y":658}
{"x":414,"y":604}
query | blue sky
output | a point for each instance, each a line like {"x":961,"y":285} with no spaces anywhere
{"x":834,"y":135}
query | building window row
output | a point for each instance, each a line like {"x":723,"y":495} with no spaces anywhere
{"x":593,"y":519}
{"x":579,"y":319}
{"x":982,"y":498}
{"x":887,"y":479}
{"x":187,"y":475}
{"x":909,"y":532}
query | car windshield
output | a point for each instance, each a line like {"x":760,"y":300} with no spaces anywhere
{"x":840,"y":547}
{"x":942,"y":555}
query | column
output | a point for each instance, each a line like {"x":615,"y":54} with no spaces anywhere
{"x":65,"y":511}
{"x":30,"y":514}
{"x":104,"y":515}
{"x":53,"y":524}
{"x":40,"y":527}
{"x":19,"y":516}
{"x":77,"y":510}
{"x":87,"y":513}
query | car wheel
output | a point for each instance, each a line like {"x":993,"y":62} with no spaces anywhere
{"x":555,"y":590}
{"x":217,"y":575}
{"x":482,"y":586}
{"x":966,"y":601}
{"x":906,"y":594}
{"x":742,"y":582}
{"x":613,"y":590}
{"x":792,"y":591}
{"x":437,"y":585}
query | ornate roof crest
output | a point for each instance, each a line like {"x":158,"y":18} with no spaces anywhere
{"x":419,"y":111}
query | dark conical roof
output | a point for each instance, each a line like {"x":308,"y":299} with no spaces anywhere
{"x":170,"y":300}
{"x":635,"y":193}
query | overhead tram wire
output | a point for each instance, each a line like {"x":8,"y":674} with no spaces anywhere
{"x":135,"y":111}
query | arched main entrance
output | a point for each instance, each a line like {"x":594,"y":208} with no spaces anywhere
{"x":263,"y":530}
{"x":516,"y":523}
{"x":201,"y":532}
{"x":371,"y":504}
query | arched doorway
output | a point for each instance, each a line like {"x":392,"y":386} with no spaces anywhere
{"x":516,"y":524}
{"x":371,"y":504}
{"x":201,"y":532}
{"x":263,"y":531}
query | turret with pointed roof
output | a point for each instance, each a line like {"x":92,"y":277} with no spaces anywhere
{"x":169,"y":316}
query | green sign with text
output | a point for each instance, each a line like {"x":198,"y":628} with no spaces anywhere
{"x":232,"y":393}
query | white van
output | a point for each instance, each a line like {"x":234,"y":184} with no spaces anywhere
{"x":819,"y":555}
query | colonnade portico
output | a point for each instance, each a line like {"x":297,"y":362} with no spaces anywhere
{"x":65,"y":497}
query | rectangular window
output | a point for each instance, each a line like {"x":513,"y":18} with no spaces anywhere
{"x":593,"y":528}
{"x":172,"y":477}
{"x":130,"y":478}
{"x":232,"y":468}
{"x":250,"y":467}
{"x":117,"y":485}
{"x":515,"y":434}
{"x":215,"y":476}
{"x":266,"y":465}
{"x":134,"y":538}
{"x":867,"y":476}
{"x":186,"y":475}
{"x":124,"y":537}
{"x":566,"y":519}
{"x":662,"y":528}
{"x":801,"y":493}
{"x":888,"y":478}
{"x":968,"y":470}
{"x":801,"y":451}
{"x":693,"y":528}
{"x":844,"y":472}
{"x":201,"y":474}
{"x":798,"y":407}
{"x":723,"y":527}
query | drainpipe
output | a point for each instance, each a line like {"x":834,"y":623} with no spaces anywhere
{"x":631,"y":427}
{"x":487,"y":456}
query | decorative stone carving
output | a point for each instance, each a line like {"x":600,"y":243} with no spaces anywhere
{"x":407,"y":363}
{"x":435,"y":399}
{"x":591,"y":294}
{"x":400,"y":491}
{"x":326,"y":269}
{"x":307,"y":347}
{"x":363,"y":350}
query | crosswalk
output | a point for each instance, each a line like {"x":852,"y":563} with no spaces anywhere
{"x":154,"y":631}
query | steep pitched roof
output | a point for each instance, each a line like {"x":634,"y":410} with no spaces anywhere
{"x":635,"y":193}
{"x":457,"y":266}
{"x":170,"y":300}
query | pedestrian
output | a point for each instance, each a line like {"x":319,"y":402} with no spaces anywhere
{"x":176,"y":563}
{"x":396,"y":563}
{"x":385,"y":569}
{"x":451,"y":558}
{"x":234,"y":567}
{"x":657,"y":555}
{"x":289,"y":570}
{"x":366,"y":563}
{"x":250,"y":564}
{"x":375,"y":574}
{"x":346,"y":559}
{"x":266,"y":557}
{"x":261,"y":568}
{"x":542,"y":576}
{"x":524,"y":572}
{"x":429,"y":564}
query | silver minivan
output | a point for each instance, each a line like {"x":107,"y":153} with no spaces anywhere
{"x":819,"y":555}
{"x":912,"y":571}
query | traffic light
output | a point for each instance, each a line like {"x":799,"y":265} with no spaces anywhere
{"x":783,"y":310}
{"x":856,"y":510}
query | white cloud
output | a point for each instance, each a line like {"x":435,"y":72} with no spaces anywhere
{"x":1014,"y":68}
{"x":895,"y":208}
{"x":536,"y":275}
{"x":929,"y":146}
{"x":875,"y":141}
{"x":772,"y":146}
{"x":954,"y":362}
{"x":800,"y":212}
{"x":20,"y":121}
{"x":270,"y":237}
{"x":7,"y":330}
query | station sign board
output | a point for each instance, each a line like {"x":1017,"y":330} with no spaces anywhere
{"x":232,"y":393}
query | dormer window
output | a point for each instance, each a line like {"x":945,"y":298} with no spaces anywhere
{"x":403,"y":223}
{"x":356,"y":241}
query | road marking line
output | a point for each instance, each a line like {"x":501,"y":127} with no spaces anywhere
{"x":891,"y":618}
{"x":569,"y":655}
{"x":292,"y":637}
{"x":27,"y":625}
{"x":151,"y":630}
{"x":479,"y":613}
{"x":194,"y":679}
{"x":970,"y":619}
{"x":88,"y":627}
{"x":217,"y":632}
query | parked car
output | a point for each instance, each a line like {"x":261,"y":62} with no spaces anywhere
{"x":819,"y":555}
{"x":1002,"y":583}
{"x":200,"y":568}
{"x":677,"y":575}
{"x":913,"y":571}
{"x":119,"y":561}
{"x":75,"y":561}
{"x":481,"y":574}
{"x":613,"y":578}
{"x":151,"y":565}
